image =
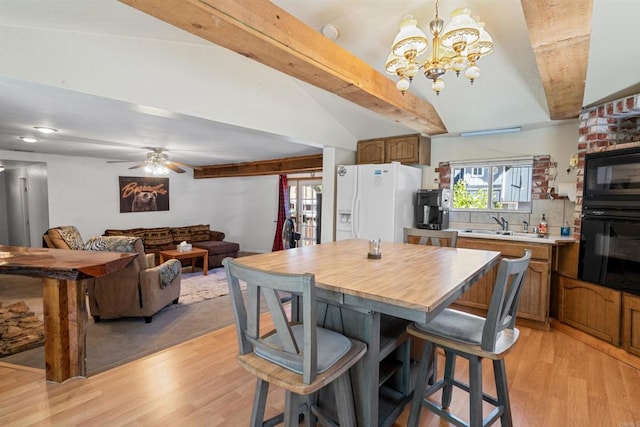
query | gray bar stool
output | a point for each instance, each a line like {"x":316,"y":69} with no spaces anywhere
{"x":301,"y":358}
{"x":474,"y":338}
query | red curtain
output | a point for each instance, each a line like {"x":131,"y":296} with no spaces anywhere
{"x":283,"y":211}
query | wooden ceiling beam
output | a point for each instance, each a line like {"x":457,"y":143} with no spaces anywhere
{"x":312,"y":163}
{"x":560,"y":32}
{"x":260,"y":30}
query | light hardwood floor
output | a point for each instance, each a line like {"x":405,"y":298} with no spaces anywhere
{"x":554,"y":379}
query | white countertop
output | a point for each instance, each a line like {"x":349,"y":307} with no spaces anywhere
{"x":550,"y":239}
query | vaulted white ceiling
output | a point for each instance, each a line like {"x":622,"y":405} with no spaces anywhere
{"x":116,"y":81}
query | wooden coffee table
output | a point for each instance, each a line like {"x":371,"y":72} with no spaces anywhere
{"x":192,"y":255}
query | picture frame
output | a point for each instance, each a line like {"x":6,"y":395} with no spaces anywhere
{"x":143,"y":194}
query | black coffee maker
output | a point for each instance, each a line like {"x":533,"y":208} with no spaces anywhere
{"x":432,"y":209}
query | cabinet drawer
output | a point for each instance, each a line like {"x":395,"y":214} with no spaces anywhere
{"x":506,"y":248}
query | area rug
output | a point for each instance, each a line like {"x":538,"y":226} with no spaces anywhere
{"x":114,"y":342}
{"x":196,"y":287}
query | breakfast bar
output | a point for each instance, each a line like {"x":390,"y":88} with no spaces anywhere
{"x":373,"y":300}
{"x":63,"y":274}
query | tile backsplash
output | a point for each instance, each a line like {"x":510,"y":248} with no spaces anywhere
{"x":556,"y":212}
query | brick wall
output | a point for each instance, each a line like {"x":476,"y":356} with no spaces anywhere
{"x":611,"y":126}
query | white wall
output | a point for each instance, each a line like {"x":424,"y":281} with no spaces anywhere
{"x":84,"y":192}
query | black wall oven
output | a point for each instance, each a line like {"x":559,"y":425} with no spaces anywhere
{"x":610,"y":228}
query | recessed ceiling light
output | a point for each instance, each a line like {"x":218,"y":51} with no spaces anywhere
{"x":330,"y":31}
{"x":1,"y":168}
{"x":45,"y":129}
{"x":28,"y":139}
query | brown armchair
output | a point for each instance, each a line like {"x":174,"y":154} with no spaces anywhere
{"x":139,"y":290}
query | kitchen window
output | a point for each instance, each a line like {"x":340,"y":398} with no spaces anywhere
{"x":497,"y":185}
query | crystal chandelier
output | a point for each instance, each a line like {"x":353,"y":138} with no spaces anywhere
{"x":457,"y":46}
{"x":156,"y":163}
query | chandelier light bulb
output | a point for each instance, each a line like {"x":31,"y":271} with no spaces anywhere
{"x":472,"y":73}
{"x":437,"y":86}
{"x":458,"y":65}
{"x":403,"y":85}
{"x":411,"y":71}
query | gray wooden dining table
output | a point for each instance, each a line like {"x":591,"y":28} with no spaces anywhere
{"x":373,"y":300}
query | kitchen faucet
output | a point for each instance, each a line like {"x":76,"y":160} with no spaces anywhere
{"x":502,"y":222}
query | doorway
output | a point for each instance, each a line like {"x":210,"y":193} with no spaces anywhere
{"x":24,"y":207}
{"x":305,"y":204}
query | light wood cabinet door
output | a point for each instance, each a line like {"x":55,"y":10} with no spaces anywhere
{"x":406,"y":149}
{"x":591,"y":308}
{"x":631,"y":323}
{"x":371,"y":151}
{"x":534,"y":301}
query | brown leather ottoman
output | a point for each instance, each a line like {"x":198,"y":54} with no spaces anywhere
{"x":218,"y":250}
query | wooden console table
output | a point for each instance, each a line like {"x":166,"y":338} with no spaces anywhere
{"x":63,"y":274}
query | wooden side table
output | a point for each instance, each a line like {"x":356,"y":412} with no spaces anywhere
{"x":193,"y":254}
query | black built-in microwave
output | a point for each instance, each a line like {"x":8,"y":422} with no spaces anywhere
{"x":612,"y":180}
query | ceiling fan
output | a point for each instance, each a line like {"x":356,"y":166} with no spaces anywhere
{"x":157,"y":163}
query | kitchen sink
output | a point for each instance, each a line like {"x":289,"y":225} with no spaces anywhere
{"x":504,"y":233}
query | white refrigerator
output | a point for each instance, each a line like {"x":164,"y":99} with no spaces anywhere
{"x":375,"y":201}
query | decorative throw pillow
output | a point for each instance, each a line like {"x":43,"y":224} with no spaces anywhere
{"x":199,"y":233}
{"x":169,"y":271}
{"x":181,"y":234}
{"x":111,"y":244}
{"x":158,"y":236}
{"x":134,"y":232}
{"x":70,"y":236}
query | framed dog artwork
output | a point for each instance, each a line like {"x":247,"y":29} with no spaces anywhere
{"x":143,"y":194}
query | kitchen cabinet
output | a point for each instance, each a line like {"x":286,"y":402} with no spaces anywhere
{"x":591,"y":308}
{"x":534,"y":301}
{"x":406,"y":149}
{"x":631,"y":323}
